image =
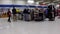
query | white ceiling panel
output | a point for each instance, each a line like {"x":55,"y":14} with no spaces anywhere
{"x":20,"y":2}
{"x":6,"y":1}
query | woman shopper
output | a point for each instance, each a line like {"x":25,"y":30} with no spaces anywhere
{"x":9,"y":15}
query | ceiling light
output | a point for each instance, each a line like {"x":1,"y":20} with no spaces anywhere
{"x":30,"y":1}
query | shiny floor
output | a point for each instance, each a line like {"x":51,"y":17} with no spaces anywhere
{"x":22,"y":27}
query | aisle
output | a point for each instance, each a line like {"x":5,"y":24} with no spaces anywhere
{"x":22,"y":27}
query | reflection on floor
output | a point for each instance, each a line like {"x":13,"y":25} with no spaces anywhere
{"x":22,"y":27}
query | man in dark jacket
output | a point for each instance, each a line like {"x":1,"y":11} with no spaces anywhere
{"x":26,"y":14}
{"x":14,"y":13}
{"x":51,"y":13}
{"x":14,"y":10}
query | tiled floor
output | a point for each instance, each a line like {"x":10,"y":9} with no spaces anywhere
{"x":22,"y":27}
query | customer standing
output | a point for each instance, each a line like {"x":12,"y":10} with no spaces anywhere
{"x":14,"y":13}
{"x":59,"y":12}
{"x":32,"y":14}
{"x":9,"y":15}
{"x":51,"y":13}
{"x":26,"y":15}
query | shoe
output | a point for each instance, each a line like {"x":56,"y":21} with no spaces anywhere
{"x":9,"y":21}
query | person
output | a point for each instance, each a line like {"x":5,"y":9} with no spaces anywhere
{"x":17,"y":13}
{"x":9,"y":15}
{"x":58,"y":12}
{"x":26,"y":15}
{"x":14,"y":13}
{"x":32,"y":14}
{"x":46,"y":13}
{"x":51,"y":13}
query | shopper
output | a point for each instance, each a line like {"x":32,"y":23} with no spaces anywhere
{"x":9,"y":15}
{"x":17,"y":13}
{"x":46,"y":13}
{"x":51,"y":13}
{"x":59,"y":12}
{"x":26,"y":15}
{"x":14,"y":13}
{"x":32,"y":14}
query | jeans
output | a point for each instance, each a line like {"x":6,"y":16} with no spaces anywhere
{"x":9,"y":19}
{"x":26,"y":17}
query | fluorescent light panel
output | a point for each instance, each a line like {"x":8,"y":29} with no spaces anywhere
{"x":30,"y":1}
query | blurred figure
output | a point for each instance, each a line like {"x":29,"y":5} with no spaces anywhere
{"x":26,"y":14}
{"x":51,"y":13}
{"x":59,"y":12}
{"x":32,"y":14}
{"x":46,"y":13}
{"x":17,"y":13}
{"x":9,"y":15}
{"x":14,"y":13}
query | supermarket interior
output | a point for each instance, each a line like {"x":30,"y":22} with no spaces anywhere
{"x":29,"y":16}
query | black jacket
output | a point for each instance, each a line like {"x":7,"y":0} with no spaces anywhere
{"x":14,"y":11}
{"x":26,"y":11}
{"x":50,"y":10}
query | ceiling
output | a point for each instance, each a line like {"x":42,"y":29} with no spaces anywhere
{"x":36,"y":0}
{"x":45,"y":0}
